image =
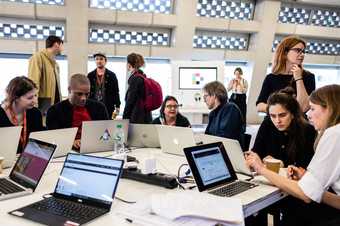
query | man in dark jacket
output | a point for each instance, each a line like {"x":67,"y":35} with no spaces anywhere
{"x":104,"y":86}
{"x":225,"y":119}
{"x":76,"y":109}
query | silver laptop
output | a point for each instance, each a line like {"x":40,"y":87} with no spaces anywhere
{"x":143,"y":136}
{"x":28,"y":170}
{"x":173,"y":139}
{"x":233,"y":149}
{"x":9,"y":140}
{"x":98,"y":136}
{"x":63,"y":138}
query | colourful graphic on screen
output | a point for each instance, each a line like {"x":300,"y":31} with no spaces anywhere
{"x":197,"y":79}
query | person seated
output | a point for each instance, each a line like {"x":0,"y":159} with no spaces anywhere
{"x":320,"y":181}
{"x":225,"y":118}
{"x":18,"y":108}
{"x":169,"y":114}
{"x":76,"y":109}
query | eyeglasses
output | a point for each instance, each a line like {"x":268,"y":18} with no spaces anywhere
{"x":172,"y":106}
{"x":298,"y":50}
{"x":205,"y":96}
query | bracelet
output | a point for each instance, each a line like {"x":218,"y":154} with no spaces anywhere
{"x":298,"y":79}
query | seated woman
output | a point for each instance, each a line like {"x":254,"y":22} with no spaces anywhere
{"x":323,"y":172}
{"x":18,"y":108}
{"x":169,"y":114}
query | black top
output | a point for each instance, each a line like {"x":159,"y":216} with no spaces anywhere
{"x":33,"y":120}
{"x":60,"y":115}
{"x":273,"y":83}
{"x":181,"y":121}
{"x":226,"y":121}
{"x":111,"y":89}
{"x":270,"y":141}
{"x":134,"y":108}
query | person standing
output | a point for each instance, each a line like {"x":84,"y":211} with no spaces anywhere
{"x":104,"y":86}
{"x":239,"y":88}
{"x":43,"y":69}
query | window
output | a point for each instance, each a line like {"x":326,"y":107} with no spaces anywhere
{"x":220,"y":40}
{"x":49,"y":2}
{"x":13,"y":65}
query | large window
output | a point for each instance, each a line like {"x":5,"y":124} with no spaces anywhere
{"x":13,"y":65}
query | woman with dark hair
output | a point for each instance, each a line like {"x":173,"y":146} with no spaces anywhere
{"x":18,"y":108}
{"x":321,"y":181}
{"x":134,"y":109}
{"x":169,"y":114}
{"x":287,"y":70}
{"x":239,"y":88}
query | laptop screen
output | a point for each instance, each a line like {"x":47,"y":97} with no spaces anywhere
{"x":210,"y":165}
{"x":32,"y":163}
{"x":89,"y":178}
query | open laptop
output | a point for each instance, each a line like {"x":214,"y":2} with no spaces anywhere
{"x":28,"y":170}
{"x":84,"y":191}
{"x":98,"y":136}
{"x":63,"y":138}
{"x":213,"y":171}
{"x":173,"y":139}
{"x":143,"y":136}
{"x":9,"y":141}
{"x":233,"y":149}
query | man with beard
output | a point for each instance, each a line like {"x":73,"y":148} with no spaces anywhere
{"x":104,"y":86}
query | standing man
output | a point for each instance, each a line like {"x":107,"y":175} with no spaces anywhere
{"x":104,"y":86}
{"x":43,"y":69}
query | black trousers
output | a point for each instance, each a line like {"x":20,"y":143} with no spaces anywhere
{"x":241,"y":101}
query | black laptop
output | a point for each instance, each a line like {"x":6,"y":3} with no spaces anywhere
{"x":213,"y":171}
{"x":85,"y":190}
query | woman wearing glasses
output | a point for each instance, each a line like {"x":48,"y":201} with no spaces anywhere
{"x":287,"y":70}
{"x":169,"y":114}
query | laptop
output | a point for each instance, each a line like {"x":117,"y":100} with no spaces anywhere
{"x":98,"y":136}
{"x":63,"y":138}
{"x":213,"y":171}
{"x":233,"y":149}
{"x":173,"y":139}
{"x":28,"y":170}
{"x":85,"y":190}
{"x":143,"y":136}
{"x":9,"y":141}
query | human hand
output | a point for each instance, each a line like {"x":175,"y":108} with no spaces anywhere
{"x":254,"y":162}
{"x":76,"y":143}
{"x":297,"y":71}
{"x":295,"y":173}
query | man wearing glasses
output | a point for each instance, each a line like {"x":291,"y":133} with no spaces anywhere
{"x":76,"y":109}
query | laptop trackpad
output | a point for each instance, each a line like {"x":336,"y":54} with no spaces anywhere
{"x":42,"y":217}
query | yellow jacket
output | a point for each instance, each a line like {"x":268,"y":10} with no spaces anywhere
{"x":44,"y":71}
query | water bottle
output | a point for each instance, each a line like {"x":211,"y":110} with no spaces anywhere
{"x":119,"y":140}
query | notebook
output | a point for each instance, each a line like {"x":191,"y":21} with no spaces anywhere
{"x":63,"y":138}
{"x":85,"y":190}
{"x":28,"y":170}
{"x":173,"y":139}
{"x":143,"y":136}
{"x":213,"y":171}
{"x":9,"y":141}
{"x":98,"y":136}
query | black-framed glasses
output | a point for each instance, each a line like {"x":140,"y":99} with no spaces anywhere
{"x":299,"y":50}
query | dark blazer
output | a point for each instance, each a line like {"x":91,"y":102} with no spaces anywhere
{"x":226,"y":121}
{"x":134,"y":109}
{"x":33,"y":119}
{"x":181,"y":121}
{"x":60,"y":115}
{"x":111,"y":96}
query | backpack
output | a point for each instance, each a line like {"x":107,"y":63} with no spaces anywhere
{"x":153,"y":93}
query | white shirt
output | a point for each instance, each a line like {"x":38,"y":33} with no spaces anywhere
{"x":324,"y":169}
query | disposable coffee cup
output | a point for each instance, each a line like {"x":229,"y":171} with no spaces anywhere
{"x":2,"y":160}
{"x":273,"y":164}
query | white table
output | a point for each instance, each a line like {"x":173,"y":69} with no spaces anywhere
{"x":253,"y":200}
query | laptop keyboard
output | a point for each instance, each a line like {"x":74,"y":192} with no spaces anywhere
{"x":233,"y":189}
{"x":7,"y":187}
{"x":70,"y":210}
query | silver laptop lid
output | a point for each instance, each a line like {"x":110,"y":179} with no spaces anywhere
{"x":143,"y":136}
{"x":9,"y":140}
{"x":63,"y":138}
{"x":97,"y":136}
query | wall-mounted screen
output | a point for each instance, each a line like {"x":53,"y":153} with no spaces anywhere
{"x":196,"y":77}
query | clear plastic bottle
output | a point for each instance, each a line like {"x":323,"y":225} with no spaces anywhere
{"x":119,"y":140}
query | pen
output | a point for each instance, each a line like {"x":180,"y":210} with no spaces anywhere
{"x":129,"y":220}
